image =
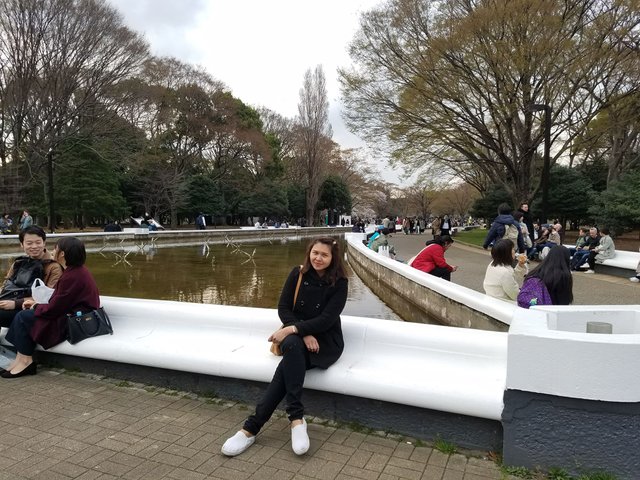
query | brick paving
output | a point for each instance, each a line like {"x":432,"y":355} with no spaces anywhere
{"x":61,"y":425}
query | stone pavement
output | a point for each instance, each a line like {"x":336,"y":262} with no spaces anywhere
{"x":59,"y":425}
{"x":472,"y":261}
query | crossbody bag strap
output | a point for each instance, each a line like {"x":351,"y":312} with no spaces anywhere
{"x":295,"y":295}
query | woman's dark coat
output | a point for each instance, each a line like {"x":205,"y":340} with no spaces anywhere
{"x":317,"y":312}
{"x":76,"y":291}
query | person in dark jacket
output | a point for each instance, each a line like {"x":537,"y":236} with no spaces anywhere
{"x":499,"y":226}
{"x":311,"y":336}
{"x":527,"y":219}
{"x":46,"y":324}
{"x":581,"y":255}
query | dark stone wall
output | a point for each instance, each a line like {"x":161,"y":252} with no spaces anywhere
{"x":581,"y":436}
{"x":420,"y":423}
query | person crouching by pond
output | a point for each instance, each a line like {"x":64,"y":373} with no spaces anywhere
{"x":431,"y":259}
{"x":550,"y":283}
{"x":311,"y":336}
{"x":501,"y":280}
{"x":37,"y":262}
{"x":46,"y":324}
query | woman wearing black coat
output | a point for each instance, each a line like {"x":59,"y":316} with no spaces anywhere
{"x":311,"y":336}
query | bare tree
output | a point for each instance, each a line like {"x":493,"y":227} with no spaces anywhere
{"x":315,"y":134}
{"x":352,"y":166}
{"x":60,"y":60}
{"x":455,"y":81}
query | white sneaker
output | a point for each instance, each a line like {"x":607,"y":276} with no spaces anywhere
{"x":635,"y":279}
{"x":237,"y":444}
{"x":589,"y":271}
{"x":300,"y":439}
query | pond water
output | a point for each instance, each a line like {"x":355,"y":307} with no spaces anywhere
{"x":249,"y":275}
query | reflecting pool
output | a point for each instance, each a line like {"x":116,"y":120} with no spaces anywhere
{"x":248,"y":274}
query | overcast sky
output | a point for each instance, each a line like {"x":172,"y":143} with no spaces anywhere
{"x":260,"y":49}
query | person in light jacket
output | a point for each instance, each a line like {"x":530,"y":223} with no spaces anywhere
{"x":501,"y":280}
{"x":605,"y":249}
{"x":311,"y":336}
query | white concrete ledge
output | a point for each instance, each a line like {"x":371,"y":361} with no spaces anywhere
{"x":498,"y":309}
{"x":623,"y":259}
{"x":551,"y":353}
{"x":447,"y":369}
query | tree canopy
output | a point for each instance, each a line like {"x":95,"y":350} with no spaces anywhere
{"x":455,"y":82}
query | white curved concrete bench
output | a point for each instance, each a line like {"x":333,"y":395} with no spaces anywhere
{"x":448,"y":369}
{"x":624,"y":259}
{"x":490,"y":306}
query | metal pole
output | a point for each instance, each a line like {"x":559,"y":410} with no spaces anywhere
{"x":52,"y":213}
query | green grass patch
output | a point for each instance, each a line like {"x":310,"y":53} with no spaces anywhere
{"x":558,"y":474}
{"x":598,"y":476}
{"x":521,"y":472}
{"x":123,"y":384}
{"x":472,"y":237}
{"x":444,"y":446}
{"x":359,"y":428}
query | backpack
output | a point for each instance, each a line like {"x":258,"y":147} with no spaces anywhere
{"x":25,"y":271}
{"x":511,"y":233}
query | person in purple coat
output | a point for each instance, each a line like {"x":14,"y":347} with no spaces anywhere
{"x":550,"y":283}
{"x":46,"y":324}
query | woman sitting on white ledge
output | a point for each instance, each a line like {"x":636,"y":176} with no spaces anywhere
{"x":501,"y":280}
{"x":310,"y":304}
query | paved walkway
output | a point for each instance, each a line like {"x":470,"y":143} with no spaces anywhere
{"x":68,"y":426}
{"x":595,"y":289}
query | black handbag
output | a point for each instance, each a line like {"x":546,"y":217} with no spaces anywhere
{"x":87,"y":325}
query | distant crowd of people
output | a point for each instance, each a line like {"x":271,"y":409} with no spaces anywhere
{"x":515,"y":241}
{"x":7,"y":225}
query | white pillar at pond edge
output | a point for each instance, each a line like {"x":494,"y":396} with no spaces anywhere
{"x":572,"y":398}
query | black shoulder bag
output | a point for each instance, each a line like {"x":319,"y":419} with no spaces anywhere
{"x":87,"y":325}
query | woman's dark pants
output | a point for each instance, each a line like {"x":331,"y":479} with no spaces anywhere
{"x":7,"y":316}
{"x":287,"y":383}
{"x":19,"y":333}
{"x":441,"y":272}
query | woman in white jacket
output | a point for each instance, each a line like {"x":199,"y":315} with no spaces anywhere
{"x":502,"y":280}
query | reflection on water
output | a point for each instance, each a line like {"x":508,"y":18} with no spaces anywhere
{"x":216,"y":274}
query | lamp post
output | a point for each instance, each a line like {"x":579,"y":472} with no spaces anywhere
{"x":52,"y":222}
{"x":538,"y":107}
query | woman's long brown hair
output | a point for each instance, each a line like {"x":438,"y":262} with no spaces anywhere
{"x":335,"y":270}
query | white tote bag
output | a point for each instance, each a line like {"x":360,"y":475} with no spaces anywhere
{"x":40,"y":292}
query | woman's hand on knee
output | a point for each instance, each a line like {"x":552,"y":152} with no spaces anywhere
{"x":311,"y":343}
{"x":279,"y":335}
{"x":28,"y":303}
{"x":7,"y":305}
